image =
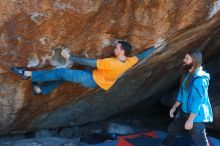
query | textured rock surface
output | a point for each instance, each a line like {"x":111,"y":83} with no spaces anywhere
{"x":54,"y":141}
{"x":31,"y":29}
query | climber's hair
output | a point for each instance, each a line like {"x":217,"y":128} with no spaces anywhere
{"x":126,"y":47}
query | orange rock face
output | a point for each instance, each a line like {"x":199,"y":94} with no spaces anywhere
{"x":32,"y":29}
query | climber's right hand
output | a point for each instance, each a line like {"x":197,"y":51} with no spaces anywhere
{"x":65,"y":53}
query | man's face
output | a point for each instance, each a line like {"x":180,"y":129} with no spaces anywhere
{"x":187,"y":62}
{"x":118,"y":51}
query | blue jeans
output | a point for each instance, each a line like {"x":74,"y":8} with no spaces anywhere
{"x":51,"y":79}
{"x":197,"y":133}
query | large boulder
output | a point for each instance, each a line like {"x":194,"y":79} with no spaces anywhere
{"x":31,"y":30}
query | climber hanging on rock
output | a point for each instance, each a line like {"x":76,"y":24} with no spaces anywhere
{"x":105,"y":74}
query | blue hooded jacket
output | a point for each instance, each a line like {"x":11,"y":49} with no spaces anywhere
{"x":198,"y":100}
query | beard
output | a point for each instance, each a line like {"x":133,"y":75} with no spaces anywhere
{"x":187,"y":67}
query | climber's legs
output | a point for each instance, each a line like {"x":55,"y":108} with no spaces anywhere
{"x":57,"y":76}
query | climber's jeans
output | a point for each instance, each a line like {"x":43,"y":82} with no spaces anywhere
{"x":51,"y":79}
{"x":197,"y":133}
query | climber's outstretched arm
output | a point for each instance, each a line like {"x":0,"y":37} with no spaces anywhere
{"x":145,"y":54}
{"x":158,"y":45}
{"x":83,"y":61}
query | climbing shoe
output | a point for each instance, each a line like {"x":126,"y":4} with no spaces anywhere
{"x":20,"y":72}
{"x":36,"y":88}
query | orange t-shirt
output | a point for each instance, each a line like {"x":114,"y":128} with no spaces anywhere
{"x":109,"y":69}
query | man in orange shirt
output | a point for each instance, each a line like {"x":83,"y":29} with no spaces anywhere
{"x":105,"y":74}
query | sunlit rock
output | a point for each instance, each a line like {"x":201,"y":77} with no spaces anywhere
{"x":88,"y":29}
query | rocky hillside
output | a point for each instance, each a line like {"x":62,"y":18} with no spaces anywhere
{"x":32,"y":32}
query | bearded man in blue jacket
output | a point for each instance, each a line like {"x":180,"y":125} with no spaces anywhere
{"x":195,"y":108}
